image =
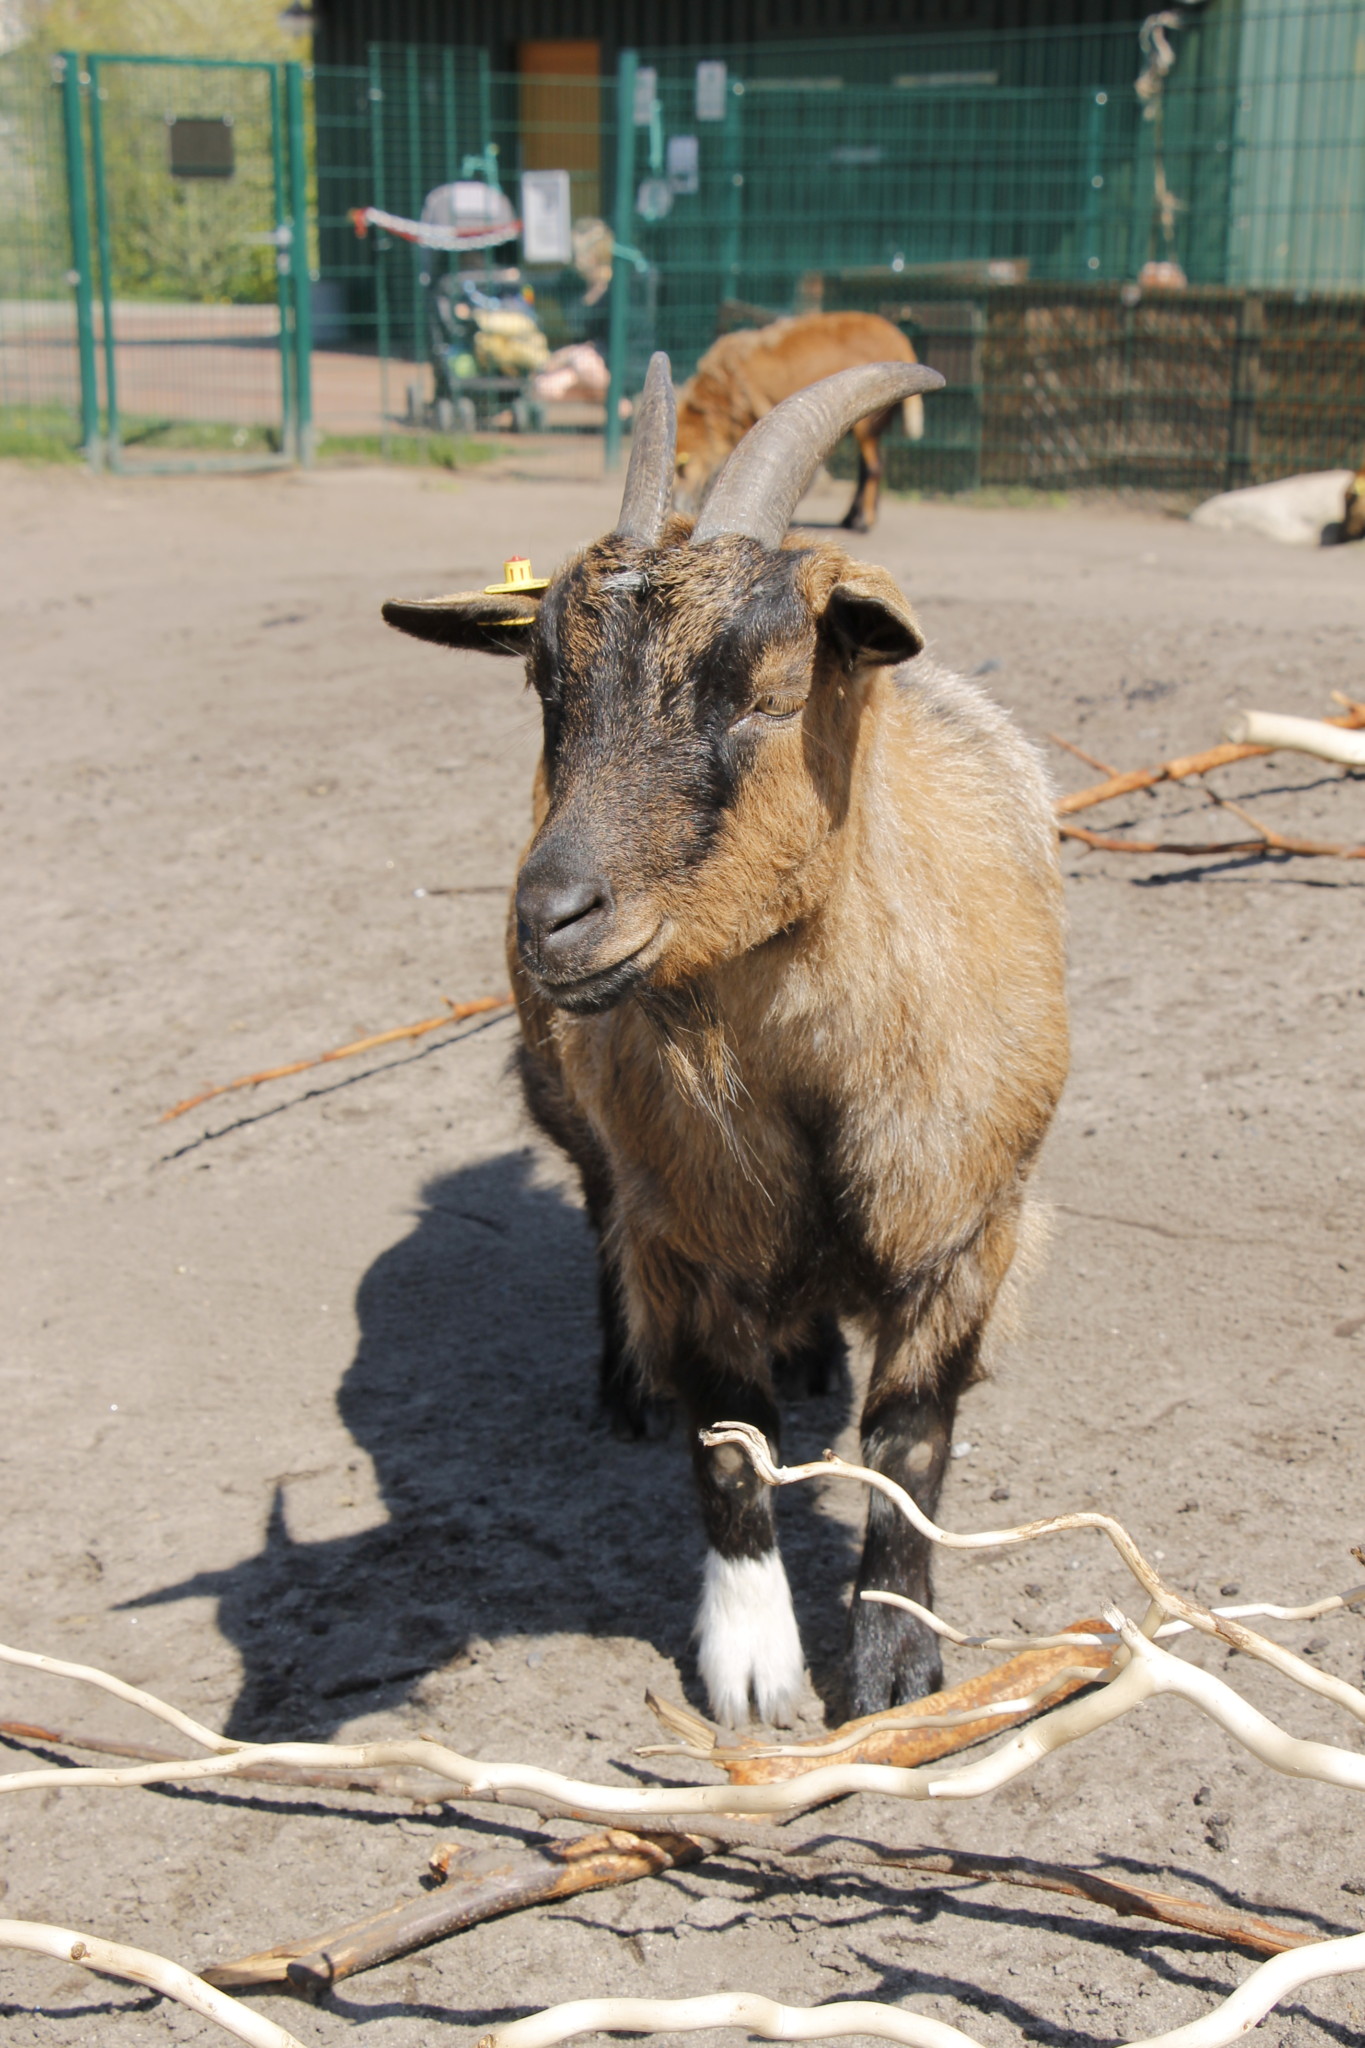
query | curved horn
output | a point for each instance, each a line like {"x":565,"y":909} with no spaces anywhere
{"x":768,"y":474}
{"x":649,"y":480}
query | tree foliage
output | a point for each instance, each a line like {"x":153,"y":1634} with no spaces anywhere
{"x":197,"y":239}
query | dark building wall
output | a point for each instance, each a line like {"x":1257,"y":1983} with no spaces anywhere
{"x":346,"y":27}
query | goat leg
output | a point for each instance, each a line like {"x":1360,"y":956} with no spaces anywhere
{"x":748,"y":1643}
{"x":862,"y":513}
{"x":631,"y":1411}
{"x":894,"y":1657}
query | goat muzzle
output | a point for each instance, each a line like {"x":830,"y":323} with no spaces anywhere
{"x":582,"y":951}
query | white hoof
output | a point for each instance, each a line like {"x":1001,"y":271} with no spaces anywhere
{"x":749,"y":1642}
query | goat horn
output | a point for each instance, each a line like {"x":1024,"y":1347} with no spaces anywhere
{"x":649,"y":479}
{"x":769,"y":472}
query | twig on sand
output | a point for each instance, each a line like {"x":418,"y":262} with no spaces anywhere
{"x":1314,"y":736}
{"x":1250,"y":2002}
{"x":479,"y":1885}
{"x":455,"y":1013}
{"x":140,"y":1966}
{"x":1090,"y":760}
{"x":1268,"y":842}
{"x":423,"y":1791}
{"x":916,"y":1733}
{"x":1126,"y":783}
{"x":1247,"y":1930}
{"x":482,"y":1884}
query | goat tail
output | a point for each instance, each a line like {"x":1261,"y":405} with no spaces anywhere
{"x":912,"y":414}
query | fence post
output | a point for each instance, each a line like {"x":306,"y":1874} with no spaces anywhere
{"x":419,"y":260}
{"x":78,"y":202}
{"x":298,"y":255}
{"x":380,"y":244}
{"x":284,"y":266}
{"x":618,"y":334}
{"x":102,"y":236}
{"x":732,"y":187}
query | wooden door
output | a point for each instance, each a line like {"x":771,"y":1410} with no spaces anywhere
{"x":561,"y":112}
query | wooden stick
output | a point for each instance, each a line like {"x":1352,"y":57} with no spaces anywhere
{"x":480,"y":1884}
{"x":391,"y":1784}
{"x":1185,"y":765}
{"x":1271,"y":1981}
{"x":893,"y":1737}
{"x":1315,"y":736}
{"x":455,"y":1014}
{"x":1090,"y":760}
{"x":1269,"y":842}
{"x":1247,"y":1930}
{"x":140,"y":1966}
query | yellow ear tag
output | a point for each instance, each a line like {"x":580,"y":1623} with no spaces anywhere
{"x":518,"y":579}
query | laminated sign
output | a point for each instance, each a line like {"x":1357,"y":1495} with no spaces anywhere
{"x":201,"y":148}
{"x":545,"y":217}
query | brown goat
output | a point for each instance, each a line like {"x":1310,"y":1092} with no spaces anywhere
{"x":787,"y":948}
{"x":744,"y":375}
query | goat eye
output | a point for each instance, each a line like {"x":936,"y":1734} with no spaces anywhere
{"x":773,"y":708}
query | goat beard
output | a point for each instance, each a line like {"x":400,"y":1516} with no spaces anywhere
{"x":699,"y":1057}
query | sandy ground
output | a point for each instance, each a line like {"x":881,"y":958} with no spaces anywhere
{"x":299,"y":1418}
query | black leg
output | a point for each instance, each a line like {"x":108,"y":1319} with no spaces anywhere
{"x":630,"y":1412}
{"x":893,"y":1656}
{"x":808,"y":1371}
{"x":736,"y":1507}
{"x":855,"y":519}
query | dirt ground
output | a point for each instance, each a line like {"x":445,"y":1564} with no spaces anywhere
{"x":299,"y":1413}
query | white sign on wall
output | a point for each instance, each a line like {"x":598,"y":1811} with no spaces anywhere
{"x":684,"y":163}
{"x":646,"y":93}
{"x":711,"y":78}
{"x":546,"y":217}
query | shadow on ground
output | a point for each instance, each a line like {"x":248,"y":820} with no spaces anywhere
{"x":511,"y":1511}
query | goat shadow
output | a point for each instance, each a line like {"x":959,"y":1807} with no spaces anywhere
{"x":511,"y":1510}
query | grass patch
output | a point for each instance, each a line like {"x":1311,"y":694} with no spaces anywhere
{"x":52,"y":434}
{"x":441,"y":451}
{"x":992,"y":498}
{"x":196,"y":437}
{"x":39,"y":434}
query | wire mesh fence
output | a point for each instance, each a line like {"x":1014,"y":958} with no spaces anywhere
{"x":1132,"y":270}
{"x":39,"y":363}
{"x":1136,"y":263}
{"x":151,"y":312}
{"x":192,"y":318}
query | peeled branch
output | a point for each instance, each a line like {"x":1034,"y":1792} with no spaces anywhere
{"x":918,"y":1732}
{"x":1300,"y":735}
{"x":1134,"y":779}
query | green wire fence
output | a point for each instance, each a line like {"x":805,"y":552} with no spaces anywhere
{"x":1136,"y":263}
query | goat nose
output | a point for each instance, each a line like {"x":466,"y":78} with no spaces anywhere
{"x":550,"y":914}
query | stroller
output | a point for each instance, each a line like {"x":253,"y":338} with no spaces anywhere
{"x":486,"y":344}
{"x":484,"y":339}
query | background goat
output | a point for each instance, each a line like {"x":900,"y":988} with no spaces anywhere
{"x":744,"y":375}
{"x":787,"y":949}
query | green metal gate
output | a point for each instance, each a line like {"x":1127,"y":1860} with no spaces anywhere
{"x":187,"y":181}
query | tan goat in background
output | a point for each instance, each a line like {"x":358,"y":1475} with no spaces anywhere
{"x":744,"y":375}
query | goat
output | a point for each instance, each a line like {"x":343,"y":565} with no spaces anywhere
{"x":788,"y":958}
{"x":744,"y":375}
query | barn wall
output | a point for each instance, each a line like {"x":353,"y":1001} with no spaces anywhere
{"x":345,"y":28}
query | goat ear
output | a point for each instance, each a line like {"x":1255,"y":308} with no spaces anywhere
{"x":491,"y":624}
{"x":870,"y":621}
